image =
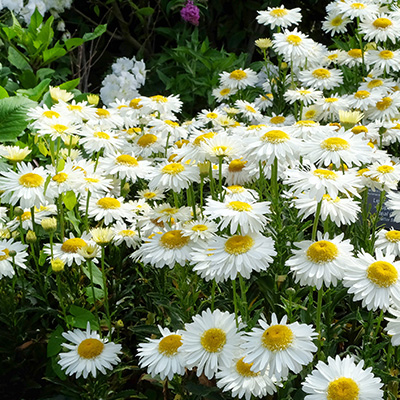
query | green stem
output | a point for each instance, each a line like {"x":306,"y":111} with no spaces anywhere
{"x":274,"y":181}
{"x":106,"y":305}
{"x":60,"y":299}
{"x":213,"y":294}
{"x":90,"y":267}
{"x":235,"y":305}
{"x":220,"y":159}
{"x":316,"y":220}
{"x":87,"y":211}
{"x":243,"y":291}
{"x":60,"y":208}
{"x":318,"y":319}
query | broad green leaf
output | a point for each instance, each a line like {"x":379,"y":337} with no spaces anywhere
{"x":146,"y":11}
{"x":60,"y":165}
{"x":70,"y":216}
{"x":3,"y":93}
{"x":44,"y":73}
{"x":79,"y":318}
{"x":99,"y":30}
{"x":98,"y":293}
{"x":13,"y":116}
{"x":97,"y":275}
{"x":42,"y":148}
{"x":17,"y":59}
{"x":69,"y":85}
{"x":73,"y":42}
{"x":55,"y":342}
{"x":27,"y":79}
{"x":46,"y":32}
{"x":37,"y":92}
{"x":36,"y":20}
{"x":69,"y":199}
{"x":42,"y":258}
{"x":53,"y":54}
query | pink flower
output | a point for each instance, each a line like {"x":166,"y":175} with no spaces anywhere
{"x":191,"y":13}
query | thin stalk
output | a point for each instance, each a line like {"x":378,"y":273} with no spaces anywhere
{"x":106,"y":305}
{"x":243,"y":291}
{"x":90,"y":267}
{"x":60,"y":299}
{"x":213,"y":294}
{"x":318,"y":319}
{"x":316,"y":219}
{"x":235,"y":305}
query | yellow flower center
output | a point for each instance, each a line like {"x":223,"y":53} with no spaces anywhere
{"x":200,"y":228}
{"x":325,"y":174}
{"x":127,"y":232}
{"x":134,"y":103}
{"x":102,"y":113}
{"x":225,"y":91}
{"x":74,"y":107}
{"x":275,"y":136}
{"x":310,"y":113}
{"x":25,"y":216}
{"x":73,"y":245}
{"x":239,"y":244}
{"x":92,"y":180}
{"x":101,"y":135}
{"x":149,"y":195}
{"x":213,"y":340}
{"x":108,"y":203}
{"x":169,"y":345}
{"x":382,"y":273}
{"x":126,"y":159}
{"x":359,"y":129}
{"x":212,"y":115}
{"x":306,"y":122}
{"x":238,"y":75}
{"x":357,"y":6}
{"x":382,"y":23}
{"x":374,"y":83}
{"x":59,"y":128}
{"x":243,"y":369}
{"x":386,"y":54}
{"x":90,"y":348}
{"x":203,"y":137}
{"x":362,"y":94}
{"x":239,"y":206}
{"x":60,"y":178}
{"x":335,"y":144}
{"x":171,"y":123}
{"x":173,"y":169}
{"x":277,"y":337}
{"x":169,"y":211}
{"x":322,"y":252}
{"x":278,"y":12}
{"x":279,"y":119}
{"x":393,"y":236}
{"x":30,"y":180}
{"x":355,"y":53}
{"x":236,"y":189}
{"x":342,"y":389}
{"x":384,"y":104}
{"x":321,"y":73}
{"x":337,"y":21}
{"x":174,"y":239}
{"x":5,"y":255}
{"x":147,"y":140}
{"x":51,"y":114}
{"x":236,"y":165}
{"x":250,"y":109}
{"x":294,"y":40}
{"x":385,"y":169}
{"x":331,"y":100}
{"x":159,"y":99}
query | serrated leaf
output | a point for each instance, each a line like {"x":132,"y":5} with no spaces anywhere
{"x":69,"y":199}
{"x":13,"y":116}
{"x":99,"y":30}
{"x":79,"y":318}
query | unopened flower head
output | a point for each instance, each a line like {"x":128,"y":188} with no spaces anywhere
{"x":102,"y":236}
{"x":60,"y":94}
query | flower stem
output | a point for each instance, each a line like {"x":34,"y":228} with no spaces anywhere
{"x":316,"y":220}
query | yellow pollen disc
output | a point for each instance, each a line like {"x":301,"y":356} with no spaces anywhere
{"x":181,"y":142}
{"x":101,"y":135}
{"x":325,"y":174}
{"x":74,"y":107}
{"x":212,"y":115}
{"x":59,"y":128}
{"x":203,"y":137}
{"x":213,"y":340}
{"x":278,"y":12}
{"x":51,"y":114}
{"x":25,"y":216}
{"x":90,"y":348}
{"x":173,"y":169}
{"x":73,"y":245}
{"x":355,"y":53}
{"x":310,"y":113}
{"x":239,"y":206}
{"x":397,"y":126}
{"x":335,"y":144}
{"x":149,"y":195}
{"x":127,"y":232}
{"x":294,"y":40}
{"x":200,"y":228}
{"x":174,"y":239}
{"x":331,"y":100}
{"x":306,"y":122}
{"x":238,"y":75}
{"x":170,"y":211}
{"x":386,"y":54}
{"x":332,"y":56}
{"x":92,"y":180}
{"x":357,"y":6}
{"x":239,"y":244}
{"x":108,"y":203}
{"x":322,"y":252}
{"x":393,"y":236}
{"x":102,"y":113}
{"x":362,"y":94}
{"x":342,"y":389}
{"x":244,"y":369}
{"x":385,"y":169}
{"x":275,"y":136}
{"x":279,"y":119}
{"x":337,"y":21}
{"x":277,"y":337}
{"x":60,"y":178}
{"x":220,"y":150}
{"x":30,"y":180}
{"x":236,"y":189}
{"x":169,"y":345}
{"x":382,"y":273}
{"x":5,"y":255}
{"x":384,"y":104}
{"x":382,"y":23}
{"x":321,"y":73}
{"x":147,"y":140}
{"x":126,"y":159}
{"x":225,"y":91}
{"x":250,"y":109}
{"x":159,"y":99}
{"x":135,"y":104}
{"x":171,"y":123}
{"x":374,"y":83}
{"x":359,"y":129}
{"x":236,"y":165}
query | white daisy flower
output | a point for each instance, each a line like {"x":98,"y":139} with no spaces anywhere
{"x":14,"y":153}
{"x":222,"y":145}
{"x":279,"y":120}
{"x":78,"y":112}
{"x":351,"y":57}
{"x":335,"y":23}
{"x":148,"y":194}
{"x":125,"y":234}
{"x":88,"y":353}
{"x":106,"y":208}
{"x":210,"y":341}
{"x":223,"y":93}
{"x":376,"y":83}
{"x":249,"y":110}
{"x":165,"y":213}
{"x":363,"y":99}
{"x":240,"y":193}
{"x":321,"y":78}
{"x":357,"y":8}
{"x":239,"y":171}
{"x":342,"y":379}
{"x":386,"y":108}
{"x":93,"y":139}
{"x":386,"y":173}
{"x":329,"y":107}
{"x":279,"y":347}
{"x":380,"y":28}
{"x":374,"y":280}
{"x":388,"y":242}
{"x":163,"y":356}
{"x":147,"y":144}
{"x":393,"y":204}
{"x":239,"y":78}
{"x":199,"y":230}
{"x":322,"y":261}
{"x":165,"y":106}
{"x":306,"y":96}
{"x":56,"y":128}
{"x":383,"y":60}
{"x":393,"y":326}
{"x":7,"y":261}
{"x":279,"y":16}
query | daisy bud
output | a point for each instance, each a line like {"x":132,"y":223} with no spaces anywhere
{"x":263,"y":43}
{"x":4,"y":233}
{"x":49,"y":224}
{"x":60,"y":94}
{"x":102,"y":236}
{"x":93,"y":99}
{"x":125,"y":190}
{"x":12,"y":253}
{"x":119,"y":324}
{"x":18,"y":211}
{"x":89,"y":251}
{"x":31,"y":237}
{"x":71,"y":140}
{"x":204,"y":168}
{"x":57,"y":265}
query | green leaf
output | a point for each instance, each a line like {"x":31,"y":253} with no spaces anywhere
{"x":69,"y":85}
{"x":17,"y":59}
{"x":36,"y":20}
{"x":3,"y":93}
{"x":146,"y":11}
{"x":37,"y":92}
{"x":80,"y":317}
{"x":99,"y":294}
{"x":27,"y":79}
{"x":46,"y":32}
{"x":95,"y":34}
{"x":69,"y":199}
{"x":55,"y":342}
{"x":44,"y":73}
{"x":13,"y":116}
{"x":74,"y":221}
{"x":53,"y":54}
{"x":96,"y":10}
{"x":73,"y":43}
{"x":42,"y":258}
{"x":60,"y":165}
{"x":97,"y":275}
